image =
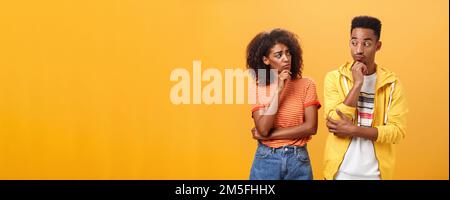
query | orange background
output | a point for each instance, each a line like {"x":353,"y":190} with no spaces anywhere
{"x":84,"y":85}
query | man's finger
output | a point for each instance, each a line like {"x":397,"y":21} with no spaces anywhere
{"x":331,"y":125}
{"x":364,"y":69}
{"x":356,"y":66}
{"x":341,"y":114}
{"x":337,"y":135}
{"x":332,"y":121}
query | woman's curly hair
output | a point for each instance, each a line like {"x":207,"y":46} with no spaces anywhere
{"x":260,"y":46}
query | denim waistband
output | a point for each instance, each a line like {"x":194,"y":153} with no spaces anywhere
{"x":285,"y":149}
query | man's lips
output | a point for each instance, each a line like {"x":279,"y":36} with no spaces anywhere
{"x":359,"y":57}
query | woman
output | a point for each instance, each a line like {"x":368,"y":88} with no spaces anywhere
{"x":285,"y":121}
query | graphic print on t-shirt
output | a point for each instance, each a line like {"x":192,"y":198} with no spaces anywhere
{"x":365,"y":109}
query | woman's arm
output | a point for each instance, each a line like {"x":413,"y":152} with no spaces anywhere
{"x":264,"y":118}
{"x":309,"y":127}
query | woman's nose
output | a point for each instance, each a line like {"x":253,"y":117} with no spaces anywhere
{"x":285,"y":58}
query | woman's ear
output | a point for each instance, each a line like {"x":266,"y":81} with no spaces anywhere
{"x":266,"y":60}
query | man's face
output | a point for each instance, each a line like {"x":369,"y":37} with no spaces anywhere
{"x":364,"y":45}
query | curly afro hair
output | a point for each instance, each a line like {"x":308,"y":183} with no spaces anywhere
{"x":260,"y":46}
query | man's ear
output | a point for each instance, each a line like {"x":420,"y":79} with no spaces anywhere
{"x":266,"y":60}
{"x":379,"y":45}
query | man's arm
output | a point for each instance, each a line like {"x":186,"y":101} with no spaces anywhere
{"x":366,"y":132}
{"x":358,"y":70}
{"x":334,"y":100}
{"x":394,"y":130}
{"x":345,"y":128}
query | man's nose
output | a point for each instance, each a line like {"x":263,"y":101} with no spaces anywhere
{"x":360,"y":49}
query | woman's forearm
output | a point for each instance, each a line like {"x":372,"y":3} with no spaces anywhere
{"x":307,"y":128}
{"x":301,"y":131}
{"x":264,"y":118}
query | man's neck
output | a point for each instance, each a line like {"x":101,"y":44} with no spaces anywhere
{"x":371,"y":68}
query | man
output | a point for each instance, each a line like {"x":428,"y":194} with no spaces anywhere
{"x":365,"y":108}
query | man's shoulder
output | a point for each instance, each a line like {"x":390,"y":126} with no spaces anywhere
{"x":386,"y":73}
{"x":334,"y":71}
{"x":341,"y":69}
{"x":333,"y":74}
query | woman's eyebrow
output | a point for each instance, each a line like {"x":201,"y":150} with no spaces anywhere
{"x":278,"y":52}
{"x":281,"y":51}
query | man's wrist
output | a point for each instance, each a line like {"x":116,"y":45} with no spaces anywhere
{"x":358,"y":84}
{"x":354,"y":130}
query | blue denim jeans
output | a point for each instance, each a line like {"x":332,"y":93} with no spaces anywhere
{"x":283,"y":163}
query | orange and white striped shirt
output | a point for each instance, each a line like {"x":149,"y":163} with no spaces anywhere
{"x":295,"y":97}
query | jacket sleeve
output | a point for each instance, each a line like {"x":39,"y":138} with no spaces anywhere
{"x":395,"y":128}
{"x":334,"y":98}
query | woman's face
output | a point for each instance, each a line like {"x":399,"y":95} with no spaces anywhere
{"x":279,"y":58}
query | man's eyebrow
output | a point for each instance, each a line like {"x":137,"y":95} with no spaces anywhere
{"x":363,"y":39}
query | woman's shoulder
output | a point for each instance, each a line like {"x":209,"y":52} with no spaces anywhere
{"x":305,"y":81}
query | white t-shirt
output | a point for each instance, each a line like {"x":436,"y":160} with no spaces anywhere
{"x":359,"y":161}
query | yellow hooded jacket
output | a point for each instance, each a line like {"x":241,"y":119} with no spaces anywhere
{"x":390,"y":108}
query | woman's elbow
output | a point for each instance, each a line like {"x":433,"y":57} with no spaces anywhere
{"x":264,"y":132}
{"x":312,"y":129}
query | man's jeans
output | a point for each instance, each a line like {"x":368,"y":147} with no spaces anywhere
{"x":283,"y":163}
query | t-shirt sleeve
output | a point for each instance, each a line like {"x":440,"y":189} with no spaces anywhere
{"x":258,"y":104}
{"x":311,"y":98}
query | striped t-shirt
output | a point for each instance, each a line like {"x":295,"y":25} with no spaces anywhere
{"x":295,"y":97}
{"x":359,"y":161}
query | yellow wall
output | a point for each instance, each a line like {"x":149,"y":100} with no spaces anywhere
{"x":84,"y":85}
